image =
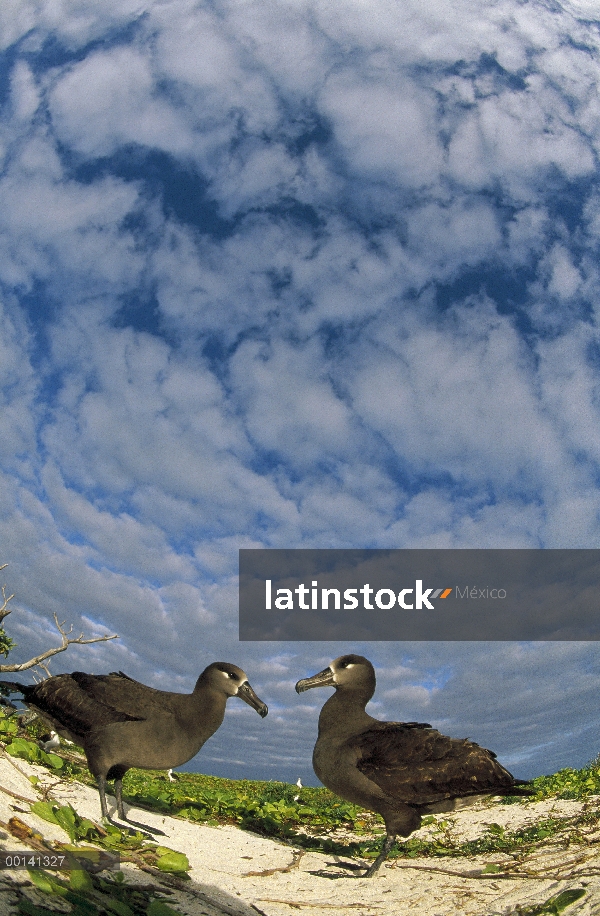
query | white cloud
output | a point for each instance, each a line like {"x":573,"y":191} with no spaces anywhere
{"x":509,"y":138}
{"x":110,"y":99}
{"x":25,"y":96}
{"x":384,"y":130}
{"x":379,"y":330}
{"x":259,"y":176}
{"x":565,"y":279}
{"x":454,"y":235}
{"x":431,"y":390}
{"x":197,"y":49}
{"x":18,"y":391}
{"x":288,"y":408}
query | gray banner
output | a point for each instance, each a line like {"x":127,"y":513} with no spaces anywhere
{"x":419,"y":595}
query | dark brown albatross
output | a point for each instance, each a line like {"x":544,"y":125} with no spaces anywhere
{"x":121,"y":723}
{"x":401,"y":770}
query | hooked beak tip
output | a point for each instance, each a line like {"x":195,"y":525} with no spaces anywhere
{"x":322,"y":679}
{"x":246,"y":693}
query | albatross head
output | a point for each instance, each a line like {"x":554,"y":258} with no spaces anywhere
{"x":232,"y":681}
{"x":350,"y":671}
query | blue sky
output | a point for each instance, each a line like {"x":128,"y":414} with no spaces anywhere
{"x":299,"y":275}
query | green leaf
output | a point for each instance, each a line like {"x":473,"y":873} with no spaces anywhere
{"x":82,"y":905}
{"x":41,"y":880}
{"x":173,"y":862}
{"x":27,"y":750}
{"x":85,"y":827}
{"x":111,"y":840}
{"x":44,"y":810}
{"x":118,"y":907}
{"x":53,"y":760}
{"x":65,"y":816}
{"x":81,"y":881}
{"x":561,"y":901}
{"x":46,"y":883}
{"x":158,"y":908}
{"x":30,"y":909}
{"x":491,"y":869}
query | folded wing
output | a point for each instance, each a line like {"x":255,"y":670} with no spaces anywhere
{"x":417,"y":765}
{"x":70,"y":706}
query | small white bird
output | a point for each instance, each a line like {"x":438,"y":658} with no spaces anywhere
{"x":49,"y":742}
{"x":300,"y":786}
{"x":172,"y":777}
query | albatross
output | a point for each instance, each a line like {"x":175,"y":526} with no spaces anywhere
{"x":49,"y":742}
{"x":121,"y":723}
{"x":401,"y":770}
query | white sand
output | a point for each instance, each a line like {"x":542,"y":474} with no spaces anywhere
{"x":241,"y":874}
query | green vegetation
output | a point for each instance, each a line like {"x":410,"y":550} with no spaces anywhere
{"x":570,"y":783}
{"x":309,"y":818}
{"x":95,"y":895}
{"x":6,"y":643}
{"x":27,"y":750}
{"x":319,"y":820}
{"x":265,"y":807}
{"x":269,"y":808}
{"x":19,"y":743}
{"x":107,"y":894}
{"x":555,"y":905}
{"x":111,"y":838}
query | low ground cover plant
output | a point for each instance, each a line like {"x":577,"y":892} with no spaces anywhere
{"x":311,"y":818}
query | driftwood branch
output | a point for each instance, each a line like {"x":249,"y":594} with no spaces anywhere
{"x":66,"y":642}
{"x":5,"y":609}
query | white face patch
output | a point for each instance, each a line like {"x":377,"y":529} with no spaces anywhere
{"x":230,"y":675}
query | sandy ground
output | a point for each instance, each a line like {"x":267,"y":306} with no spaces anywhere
{"x":240,"y":874}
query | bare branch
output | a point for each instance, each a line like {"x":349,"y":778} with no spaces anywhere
{"x":45,"y":669}
{"x":66,"y":642}
{"x":5,"y":609}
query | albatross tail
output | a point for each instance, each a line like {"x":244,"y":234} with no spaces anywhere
{"x":12,"y":687}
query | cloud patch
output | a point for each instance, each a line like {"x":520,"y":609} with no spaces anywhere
{"x":298,"y":277}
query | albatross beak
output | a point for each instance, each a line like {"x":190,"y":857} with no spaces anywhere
{"x":322,"y":679}
{"x":247,"y":694}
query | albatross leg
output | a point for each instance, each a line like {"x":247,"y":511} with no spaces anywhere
{"x":103,"y":804}
{"x":102,"y":791}
{"x":387,"y":845}
{"x":121,"y":810}
{"x":123,"y":816}
{"x":119,"y":798}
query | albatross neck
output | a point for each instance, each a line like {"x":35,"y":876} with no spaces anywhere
{"x":207,"y":706}
{"x":344,"y":713}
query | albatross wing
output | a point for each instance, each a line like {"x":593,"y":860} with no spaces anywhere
{"x":126,"y":696}
{"x":70,"y":707}
{"x":417,"y":765}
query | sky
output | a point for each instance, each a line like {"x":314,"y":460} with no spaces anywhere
{"x":298,"y":274}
